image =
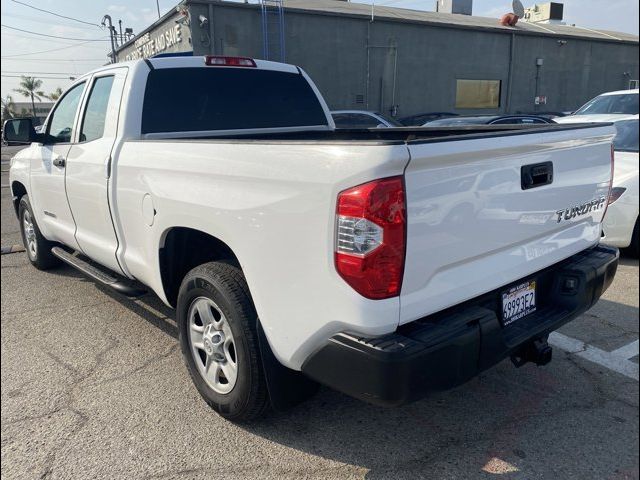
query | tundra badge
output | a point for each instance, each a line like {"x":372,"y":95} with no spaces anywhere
{"x":578,"y":211}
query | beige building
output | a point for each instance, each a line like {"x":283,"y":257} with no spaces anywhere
{"x":24,"y":109}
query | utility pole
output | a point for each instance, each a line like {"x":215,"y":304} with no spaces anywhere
{"x":158,"y":7}
{"x":106,"y":21}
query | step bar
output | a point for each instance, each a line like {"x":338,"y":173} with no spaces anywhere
{"x":110,"y":279}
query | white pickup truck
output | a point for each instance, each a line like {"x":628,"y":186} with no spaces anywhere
{"x":384,"y":263}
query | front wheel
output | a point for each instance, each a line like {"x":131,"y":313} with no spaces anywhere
{"x":217,"y":331}
{"x":38,"y":248}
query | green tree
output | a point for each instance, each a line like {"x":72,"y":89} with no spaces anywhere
{"x":29,"y":88}
{"x":55,"y":95}
{"x":7,"y":108}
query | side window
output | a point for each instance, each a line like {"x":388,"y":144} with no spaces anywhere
{"x":355,"y":120}
{"x":95,"y":112}
{"x":341,"y":120}
{"x":60,"y":128}
{"x":508,"y":121}
{"x":366,"y":121}
{"x":531,"y":121}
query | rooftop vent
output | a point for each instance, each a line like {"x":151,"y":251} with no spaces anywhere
{"x":551,"y":12}
{"x":463,"y":7}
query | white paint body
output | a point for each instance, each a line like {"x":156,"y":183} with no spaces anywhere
{"x":579,"y":117}
{"x":622,"y":215}
{"x":273,"y":203}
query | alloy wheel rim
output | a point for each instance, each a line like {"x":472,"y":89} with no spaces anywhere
{"x":29,"y":235}
{"x":212,"y":344}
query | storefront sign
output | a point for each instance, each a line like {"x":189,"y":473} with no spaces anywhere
{"x":151,"y":44}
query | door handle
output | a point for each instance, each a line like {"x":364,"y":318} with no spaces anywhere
{"x":59,"y":162}
{"x":536,"y":175}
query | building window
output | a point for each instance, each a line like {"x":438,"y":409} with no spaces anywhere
{"x":478,"y":93}
{"x":633,"y":84}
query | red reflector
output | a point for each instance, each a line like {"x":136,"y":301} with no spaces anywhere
{"x":217,"y":61}
{"x":615,"y":194}
{"x":370,"y":258}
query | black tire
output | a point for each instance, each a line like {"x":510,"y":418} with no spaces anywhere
{"x":634,"y":247}
{"x":40,"y":256}
{"x":225,"y":285}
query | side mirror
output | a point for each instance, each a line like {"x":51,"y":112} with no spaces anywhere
{"x":19,"y":131}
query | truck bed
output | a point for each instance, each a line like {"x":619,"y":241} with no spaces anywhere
{"x":387,"y":136}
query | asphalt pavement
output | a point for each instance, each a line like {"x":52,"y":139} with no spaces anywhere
{"x":93,"y":386}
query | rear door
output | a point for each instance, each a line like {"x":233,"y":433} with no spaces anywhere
{"x":48,"y":166}
{"x":88,"y":167}
{"x":473,"y":228}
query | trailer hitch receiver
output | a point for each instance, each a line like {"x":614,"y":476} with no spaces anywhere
{"x":536,"y":351}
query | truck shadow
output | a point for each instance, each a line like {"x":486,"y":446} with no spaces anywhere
{"x":522,"y":423}
{"x":148,"y":307}
{"x":627,"y":260}
{"x":525,"y":422}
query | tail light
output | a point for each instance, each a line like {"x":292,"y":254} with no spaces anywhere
{"x":217,"y":61}
{"x":370,"y":237}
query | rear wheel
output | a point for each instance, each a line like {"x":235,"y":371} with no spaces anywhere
{"x":38,"y":248}
{"x":217,"y":330}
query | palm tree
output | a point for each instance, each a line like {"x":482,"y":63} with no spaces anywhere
{"x":55,"y":95}
{"x":7,"y":108}
{"x":29,"y":88}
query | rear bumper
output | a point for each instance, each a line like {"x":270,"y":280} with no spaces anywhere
{"x":451,"y":347}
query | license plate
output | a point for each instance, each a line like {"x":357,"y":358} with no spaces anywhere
{"x":518,"y":302}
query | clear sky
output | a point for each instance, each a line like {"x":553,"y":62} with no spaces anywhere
{"x":45,"y":58}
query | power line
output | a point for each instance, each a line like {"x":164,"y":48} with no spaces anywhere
{"x":51,"y":50}
{"x":55,"y":36}
{"x":49,"y":40}
{"x":39,"y":20}
{"x":56,"y":14}
{"x":47,"y":60}
{"x":43,"y":78}
{"x":28,"y":73}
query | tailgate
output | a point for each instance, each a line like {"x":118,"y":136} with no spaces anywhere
{"x":472,"y":227}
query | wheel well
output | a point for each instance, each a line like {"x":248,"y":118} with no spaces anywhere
{"x":184,"y":249}
{"x":18,"y":191}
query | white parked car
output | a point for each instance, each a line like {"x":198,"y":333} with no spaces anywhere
{"x":296,"y":254}
{"x":608,"y":107}
{"x":620,"y":227}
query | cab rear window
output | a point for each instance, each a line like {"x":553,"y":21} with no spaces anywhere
{"x":200,"y":99}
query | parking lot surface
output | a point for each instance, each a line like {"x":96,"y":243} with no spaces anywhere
{"x":93,"y":386}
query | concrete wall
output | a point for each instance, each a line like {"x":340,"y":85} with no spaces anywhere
{"x":376,"y":65}
{"x":572,"y":73}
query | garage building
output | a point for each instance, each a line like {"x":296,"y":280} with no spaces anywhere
{"x":403,"y":62}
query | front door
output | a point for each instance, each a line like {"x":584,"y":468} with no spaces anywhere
{"x":48,"y":194}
